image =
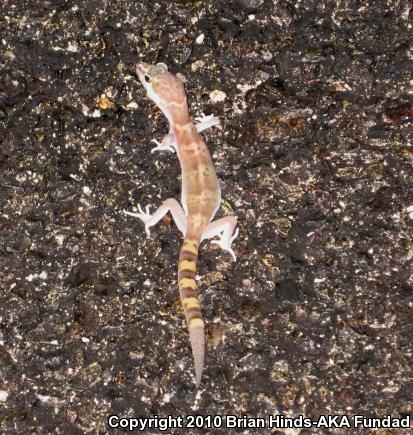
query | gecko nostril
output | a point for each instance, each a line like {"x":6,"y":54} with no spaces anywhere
{"x":147,"y":78}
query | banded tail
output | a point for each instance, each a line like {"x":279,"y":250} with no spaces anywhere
{"x":190,"y":301}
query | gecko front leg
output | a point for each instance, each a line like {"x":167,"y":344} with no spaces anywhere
{"x":224,"y":229}
{"x":206,"y":122}
{"x":171,"y":205}
{"x":168,"y":143}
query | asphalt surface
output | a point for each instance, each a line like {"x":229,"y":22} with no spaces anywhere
{"x":314,"y":154}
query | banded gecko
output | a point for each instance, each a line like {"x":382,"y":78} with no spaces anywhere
{"x":200,"y":197}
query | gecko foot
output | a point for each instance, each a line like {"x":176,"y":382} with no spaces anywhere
{"x":144,"y":216}
{"x":225,"y":242}
{"x":206,"y":122}
{"x":168,"y":143}
{"x":161,"y":147}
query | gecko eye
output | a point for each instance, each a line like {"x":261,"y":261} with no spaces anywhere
{"x":147,"y":78}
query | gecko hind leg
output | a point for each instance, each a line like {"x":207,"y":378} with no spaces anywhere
{"x":171,"y":205}
{"x":224,"y":229}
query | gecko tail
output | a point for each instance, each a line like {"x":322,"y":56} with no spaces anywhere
{"x":190,"y":302}
{"x":197,"y":337}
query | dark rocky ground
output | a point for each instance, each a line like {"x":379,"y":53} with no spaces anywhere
{"x":314,"y":156}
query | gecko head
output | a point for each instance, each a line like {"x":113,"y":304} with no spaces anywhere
{"x":162,"y":86}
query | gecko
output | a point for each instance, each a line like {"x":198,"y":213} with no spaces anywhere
{"x":200,"y":195}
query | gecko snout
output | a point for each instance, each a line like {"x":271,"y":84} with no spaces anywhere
{"x":142,"y":67}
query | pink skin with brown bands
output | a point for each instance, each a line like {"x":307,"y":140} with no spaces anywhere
{"x":201,"y":195}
